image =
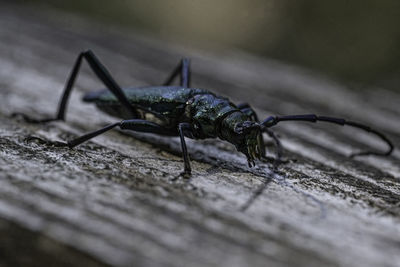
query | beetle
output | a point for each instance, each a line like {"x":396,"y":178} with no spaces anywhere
{"x":185,"y":112}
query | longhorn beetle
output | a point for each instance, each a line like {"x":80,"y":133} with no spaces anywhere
{"x":185,"y":112}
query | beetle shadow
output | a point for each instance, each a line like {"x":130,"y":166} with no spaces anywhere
{"x":220,"y":156}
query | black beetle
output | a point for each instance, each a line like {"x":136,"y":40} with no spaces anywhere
{"x":185,"y":112}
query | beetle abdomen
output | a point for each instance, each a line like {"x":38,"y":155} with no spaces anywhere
{"x":167,"y":103}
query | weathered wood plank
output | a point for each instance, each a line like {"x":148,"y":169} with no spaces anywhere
{"x":114,"y":200}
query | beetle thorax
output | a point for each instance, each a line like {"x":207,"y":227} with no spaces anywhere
{"x":206,"y":112}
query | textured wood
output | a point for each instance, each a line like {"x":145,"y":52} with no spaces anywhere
{"x":115,"y":200}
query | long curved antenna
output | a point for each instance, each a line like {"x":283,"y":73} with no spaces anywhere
{"x":273,"y":120}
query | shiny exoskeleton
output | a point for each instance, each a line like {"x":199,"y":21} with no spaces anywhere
{"x":185,"y":112}
{"x":204,"y":115}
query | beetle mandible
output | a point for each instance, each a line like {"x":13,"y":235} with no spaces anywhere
{"x":185,"y":112}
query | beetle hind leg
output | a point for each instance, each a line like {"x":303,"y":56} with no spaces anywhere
{"x":101,"y":72}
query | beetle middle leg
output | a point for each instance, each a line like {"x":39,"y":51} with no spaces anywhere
{"x":184,"y":129}
{"x":101,"y":72}
{"x":138,"y":125}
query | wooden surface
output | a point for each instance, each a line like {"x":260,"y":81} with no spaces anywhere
{"x":114,"y":200}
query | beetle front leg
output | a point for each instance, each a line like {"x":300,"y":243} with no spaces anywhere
{"x":101,"y":72}
{"x":185,"y":127}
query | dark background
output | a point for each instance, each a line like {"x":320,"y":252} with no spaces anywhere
{"x":353,"y":41}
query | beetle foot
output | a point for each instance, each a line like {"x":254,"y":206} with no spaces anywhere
{"x":29,"y":119}
{"x":185,"y":175}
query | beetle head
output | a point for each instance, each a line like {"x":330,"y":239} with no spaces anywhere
{"x":247,"y":140}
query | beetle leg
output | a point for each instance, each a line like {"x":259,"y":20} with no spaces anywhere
{"x":142,"y":126}
{"x":134,"y":125}
{"x":77,"y":141}
{"x":151,"y":127}
{"x":101,"y":72}
{"x":185,"y":127}
{"x":273,"y":120}
{"x":183,"y":69}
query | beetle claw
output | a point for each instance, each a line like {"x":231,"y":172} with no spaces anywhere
{"x":186,"y":174}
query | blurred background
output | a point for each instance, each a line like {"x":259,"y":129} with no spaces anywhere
{"x":355,"y":41}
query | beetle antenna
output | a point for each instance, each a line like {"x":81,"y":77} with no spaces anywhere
{"x":273,"y":120}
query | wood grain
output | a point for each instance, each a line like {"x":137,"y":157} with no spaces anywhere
{"x":115,"y":200}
